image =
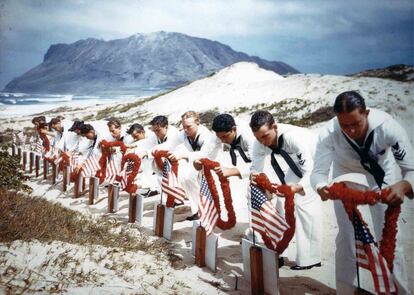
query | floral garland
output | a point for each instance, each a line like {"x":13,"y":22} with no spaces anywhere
{"x":263,"y":183}
{"x":209,"y":165}
{"x":45,"y":140}
{"x":131,"y":187}
{"x":158,"y":157}
{"x":351,"y":198}
{"x":65,"y":161}
{"x":106,"y":152}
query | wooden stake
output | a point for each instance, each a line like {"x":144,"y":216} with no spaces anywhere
{"x":159,"y":222}
{"x":83,"y":184}
{"x":45,"y":168}
{"x":200,"y":250}
{"x":24,"y":160}
{"x":132,"y":210}
{"x":256,"y":270}
{"x":110,"y":198}
{"x":93,"y":189}
{"x":54,"y":170}
{"x":37,"y":165}
{"x":76,"y":187}
{"x":65,"y":181}
{"x":19,"y":153}
{"x":31,"y":161}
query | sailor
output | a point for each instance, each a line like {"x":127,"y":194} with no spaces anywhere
{"x":290,"y":150}
{"x":92,"y":144}
{"x":197,"y":142}
{"x":370,"y":142}
{"x":238,"y":139}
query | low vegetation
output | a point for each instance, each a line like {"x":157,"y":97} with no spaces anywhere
{"x":11,"y":175}
{"x":294,"y":111}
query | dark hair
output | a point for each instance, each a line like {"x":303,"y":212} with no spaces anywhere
{"x":43,"y":125}
{"x":135,"y":127}
{"x":54,"y":121}
{"x":223,"y":122}
{"x":39,"y":119}
{"x":76,"y":125}
{"x":85,"y":128}
{"x":161,"y":121}
{"x":115,"y":122}
{"x":261,"y":118}
{"x":348,"y":101}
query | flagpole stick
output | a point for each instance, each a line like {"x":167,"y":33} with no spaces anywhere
{"x":250,"y":207}
{"x":356,"y":259}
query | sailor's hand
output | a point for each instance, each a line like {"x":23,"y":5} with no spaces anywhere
{"x":227,"y":172}
{"x":197,"y":165}
{"x":78,"y":168}
{"x":324,"y":193}
{"x":397,"y":191}
{"x":297,"y":188}
{"x":142,"y":154}
{"x":253,"y":178}
{"x":172,"y":156}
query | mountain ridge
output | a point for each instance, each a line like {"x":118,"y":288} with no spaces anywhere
{"x":157,"y":60}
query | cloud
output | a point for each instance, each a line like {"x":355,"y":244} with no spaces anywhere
{"x":326,"y":30}
{"x":213,"y":18}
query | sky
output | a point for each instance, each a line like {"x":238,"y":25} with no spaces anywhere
{"x":318,"y":36}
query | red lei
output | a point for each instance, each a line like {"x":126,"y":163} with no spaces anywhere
{"x":106,"y":152}
{"x":351,"y":198}
{"x":65,"y":161}
{"x":45,"y":140}
{"x":131,"y":187}
{"x":264,"y":184}
{"x":158,"y":157}
{"x":209,"y":165}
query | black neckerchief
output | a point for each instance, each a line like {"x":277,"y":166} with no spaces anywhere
{"x":194,"y":144}
{"x":367,"y":158}
{"x":235,"y":145}
{"x":276,"y":167}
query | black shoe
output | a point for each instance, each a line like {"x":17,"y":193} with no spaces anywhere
{"x":297,"y":267}
{"x":281,"y":262}
{"x":193,"y":217}
{"x":152,"y":193}
{"x":177,"y":205}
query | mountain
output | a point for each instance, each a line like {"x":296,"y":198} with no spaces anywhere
{"x":400,"y":72}
{"x":142,"y":61}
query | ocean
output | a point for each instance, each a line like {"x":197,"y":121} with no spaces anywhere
{"x":24,"y":104}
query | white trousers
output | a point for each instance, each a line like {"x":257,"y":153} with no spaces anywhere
{"x":308,"y":227}
{"x":345,"y":259}
{"x":189,"y":179}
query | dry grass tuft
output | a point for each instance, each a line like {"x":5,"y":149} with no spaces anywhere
{"x":27,"y":218}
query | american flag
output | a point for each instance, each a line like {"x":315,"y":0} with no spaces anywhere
{"x":206,"y":208}
{"x":370,"y":258}
{"x":54,"y":154}
{"x":111,"y":171}
{"x":265,"y":218}
{"x":38,"y":146}
{"x":170,"y":184}
{"x":58,"y":158}
{"x":74,"y":160}
{"x":128,"y":166}
{"x":90,"y":166}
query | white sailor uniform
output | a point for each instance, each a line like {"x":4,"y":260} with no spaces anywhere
{"x":389,"y":148}
{"x":299,"y":145}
